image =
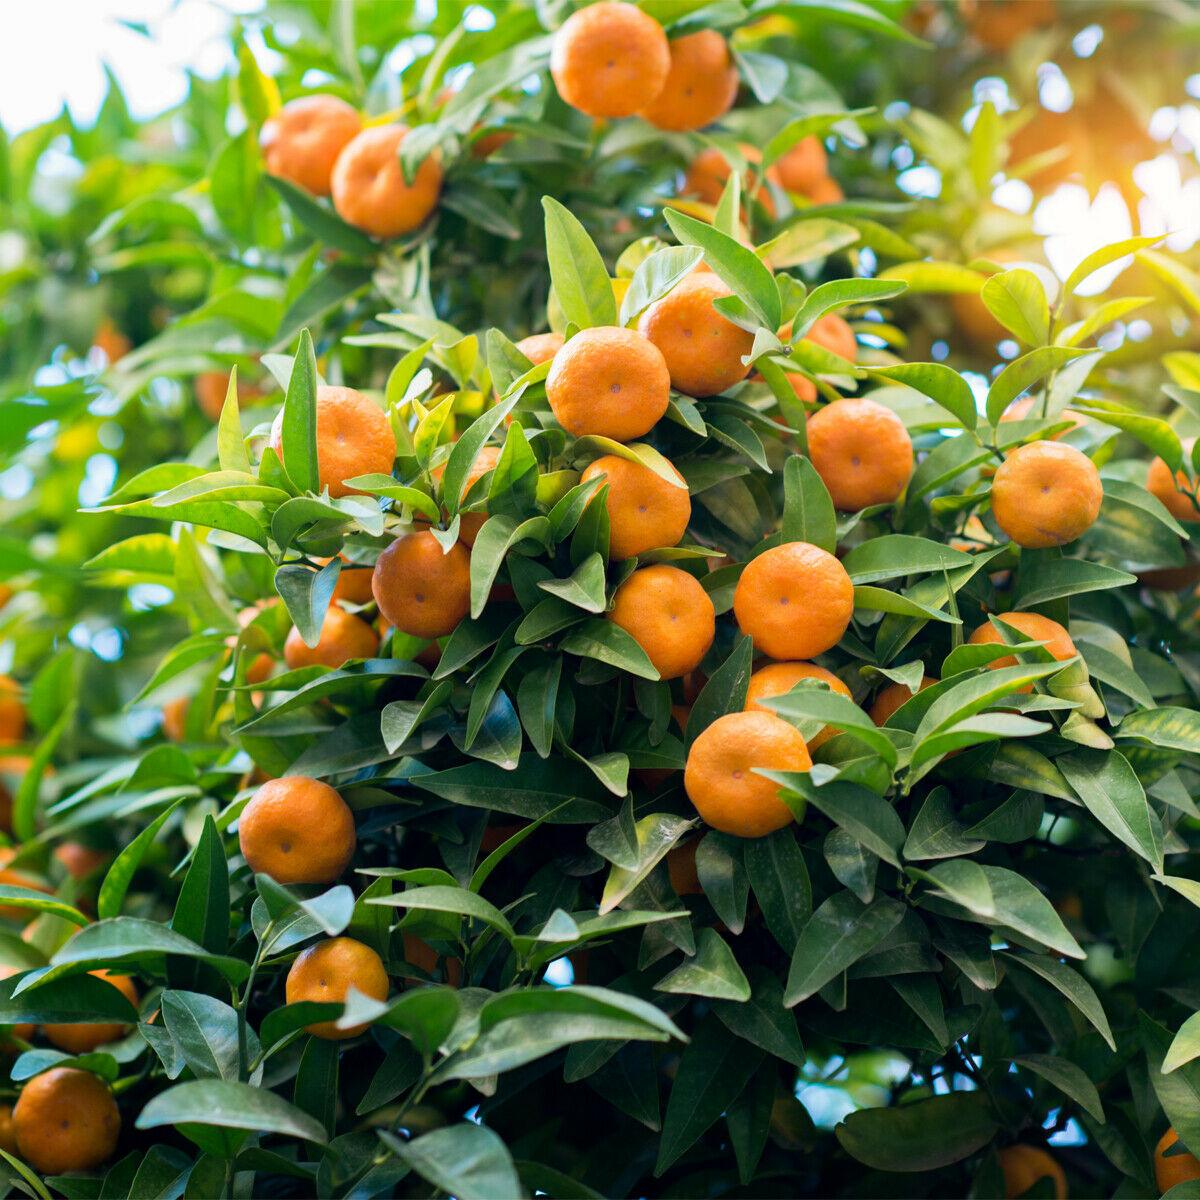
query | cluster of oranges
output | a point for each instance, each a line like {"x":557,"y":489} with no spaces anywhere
{"x":320,"y":144}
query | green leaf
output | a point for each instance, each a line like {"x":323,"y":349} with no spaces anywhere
{"x":1186,"y":1045}
{"x":808,"y":514}
{"x":1170,"y":728}
{"x":1179,"y":1090}
{"x":763,"y":1020}
{"x":230,"y":1105}
{"x":577,"y":271}
{"x":1017,"y":300}
{"x":713,"y":972}
{"x":206,"y":1032}
{"x":1022,"y":373}
{"x":1047,"y":579}
{"x":940,"y":383}
{"x":1102,"y":257}
{"x":299,"y":433}
{"x":725,"y":691}
{"x":1068,"y":1078}
{"x":120,"y":874}
{"x":322,"y":222}
{"x":656,"y":833}
{"x":818,"y":703}
{"x":924,"y":1135}
{"x":231,"y":445}
{"x":584,"y":588}
{"x":1111,"y":791}
{"x":936,"y":277}
{"x":1152,"y":432}
{"x":1070,"y":984}
{"x":609,"y":643}
{"x":467,"y":1161}
{"x":655,"y":277}
{"x":866,"y":817}
{"x":781,"y":885}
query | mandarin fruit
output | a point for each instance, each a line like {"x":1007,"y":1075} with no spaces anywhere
{"x":804,"y":166}
{"x":174,"y":718}
{"x":668,"y":614}
{"x":862,"y":452}
{"x":369,"y":191}
{"x":343,"y":637}
{"x":297,"y":830}
{"x":66,"y":1120}
{"x":609,"y":381}
{"x":1036,"y":628}
{"x":1178,"y":492}
{"x":1046,"y":494}
{"x":540,"y":347}
{"x":17,"y":877}
{"x":610,"y":59}
{"x":470,"y":523}
{"x":645,"y":511}
{"x":894,"y":697}
{"x":777,"y":679}
{"x":302,"y":141}
{"x":325,"y":972}
{"x":1023,"y":1166}
{"x":1173,"y":1169}
{"x":422,"y":589}
{"x":835,"y":335}
{"x":794,"y":600}
{"x":83,"y":1039}
{"x":23,"y":1031}
{"x":78,"y":860}
{"x":701,"y":85}
{"x":720,"y":777}
{"x":681,"y":869}
{"x":12,"y":712}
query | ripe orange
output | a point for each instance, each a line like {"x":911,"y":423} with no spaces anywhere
{"x":174,"y":718}
{"x":644,"y":510}
{"x":610,"y":59}
{"x":83,"y":1039}
{"x":832,"y":332}
{"x":777,"y":679}
{"x":702,"y":349}
{"x":211,"y":387}
{"x":668,"y":614}
{"x":353,"y":586}
{"x":354,"y":437}
{"x":18,"y":877}
{"x":297,"y":830}
{"x":794,"y":600}
{"x":540,"y":347}
{"x":1178,"y":1168}
{"x":719,"y":777}
{"x":862,"y":452}
{"x":681,"y":869}
{"x":804,"y":166}
{"x":1036,"y":628}
{"x":1000,"y":23}
{"x":325,"y":972}
{"x":78,"y":860}
{"x":302,"y":141}
{"x":608,"y":381}
{"x":368,"y":185}
{"x":1023,"y":1166}
{"x":420,"y":954}
{"x":66,"y":1120}
{"x":894,"y":697}
{"x":421,"y":590}
{"x":1046,"y":494}
{"x":12,"y":712}
{"x":701,"y":85}
{"x":470,"y":523}
{"x":826,"y":191}
{"x":343,"y":637}
{"x":1177,"y":493}
{"x":8,"y":1131}
{"x":109,"y":338}
{"x":710,"y":170}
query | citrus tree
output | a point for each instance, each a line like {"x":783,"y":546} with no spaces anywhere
{"x":602,"y":704}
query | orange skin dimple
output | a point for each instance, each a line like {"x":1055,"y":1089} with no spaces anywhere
{"x":12,"y":712}
{"x":668,"y":614}
{"x":608,"y":381}
{"x":644,"y":510}
{"x":794,"y":600}
{"x":894,"y":697}
{"x":354,"y":437}
{"x":702,"y":349}
{"x":862,"y":452}
{"x":419,"y":589}
{"x":1178,"y":493}
{"x":297,"y":830}
{"x":1036,"y":628}
{"x":470,"y":523}
{"x":343,"y":637}
{"x":369,"y":191}
{"x":66,"y":1120}
{"x":302,"y":141}
{"x":777,"y":679}
{"x":701,"y":85}
{"x":325,"y":972}
{"x":719,"y":777}
{"x":83,"y":1039}
{"x":610,"y":59}
{"x":1175,"y":1169}
{"x":1046,"y":494}
{"x":1023,"y":1166}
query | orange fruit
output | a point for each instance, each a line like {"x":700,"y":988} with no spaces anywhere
{"x":78,"y":860}
{"x":353,"y":586}
{"x":24,"y":1032}
{"x":211,"y":387}
{"x":343,"y":637}
{"x":608,"y":381}
{"x":302,"y":141}
{"x":702,"y":349}
{"x":1178,"y":495}
{"x":12,"y":712}
{"x":1036,"y":628}
{"x":354,"y":437}
{"x":681,"y":869}
{"x":777,"y":679}
{"x":794,"y":600}
{"x":644,"y":510}
{"x":1046,"y":494}
{"x":66,"y":1120}
{"x":832,"y":332}
{"x":297,"y":830}
{"x":804,"y":167}
{"x":83,"y":1039}
{"x":1022,"y":410}
{"x":1178,"y":1168}
{"x":1000,"y":23}
{"x":610,"y":59}
{"x":470,"y":523}
{"x":8,"y":1131}
{"x":325,"y":972}
{"x":701,"y":85}
{"x":174,"y":718}
{"x":894,"y":697}
{"x":827,"y":191}
{"x":540,"y":347}
{"x":668,"y":614}
{"x":368,"y":185}
{"x":18,"y":877}
{"x":421,"y":590}
{"x":862,"y":452}
{"x":1023,"y":1166}
{"x":111,"y":341}
{"x":719,"y":777}
{"x":709,"y":171}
